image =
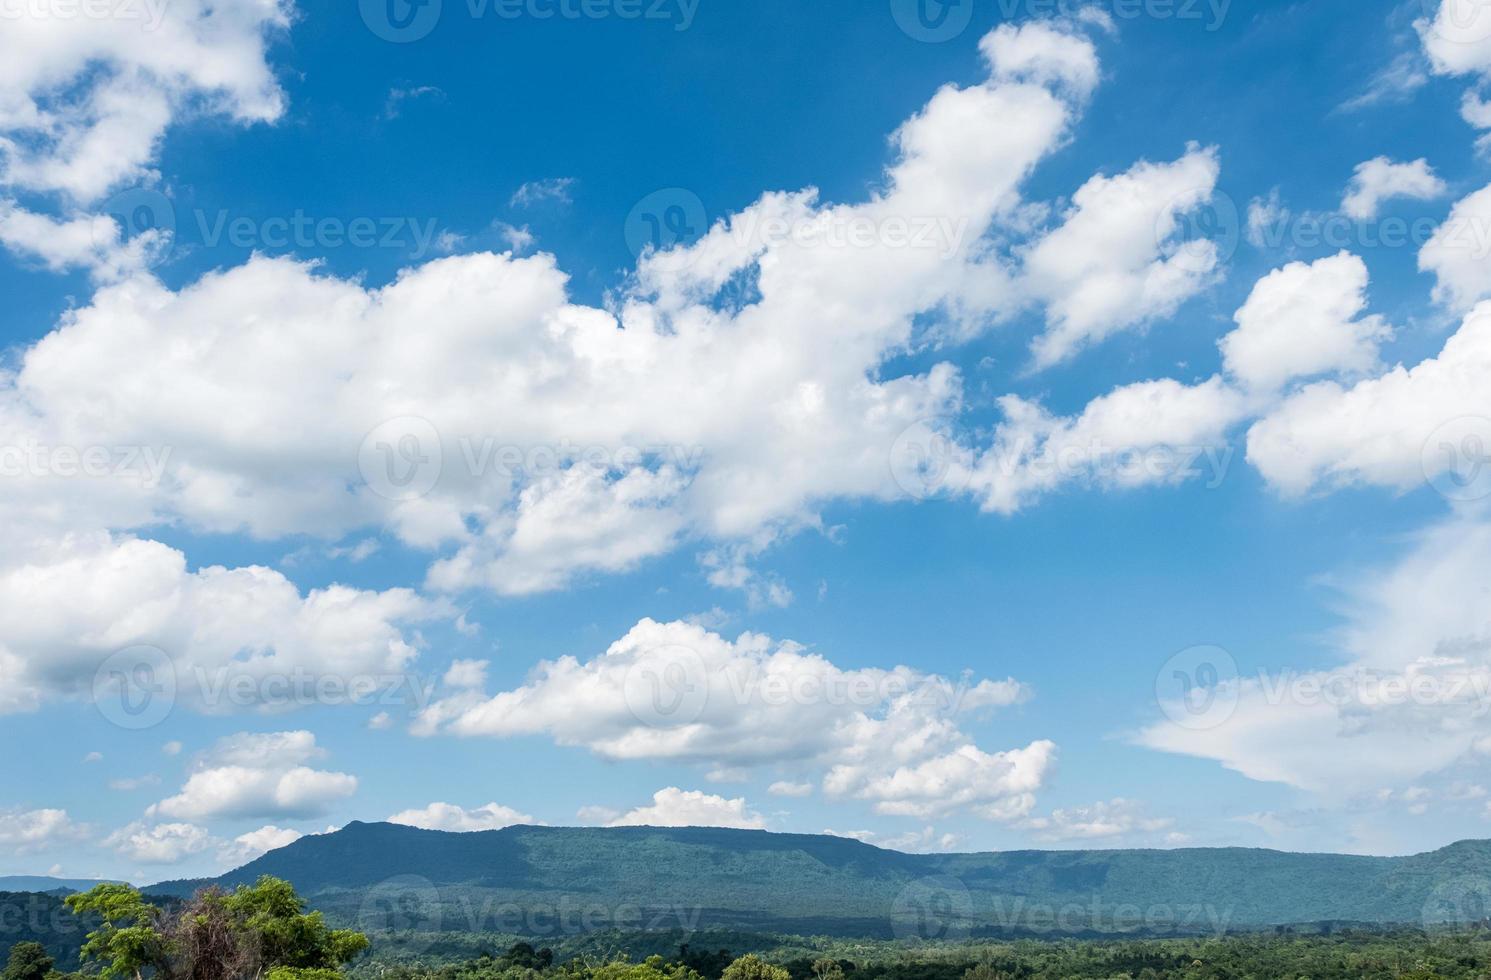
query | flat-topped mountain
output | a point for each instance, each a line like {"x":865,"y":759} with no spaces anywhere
{"x":527,"y":880}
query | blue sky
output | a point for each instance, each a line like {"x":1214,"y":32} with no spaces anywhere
{"x":1156,"y":340}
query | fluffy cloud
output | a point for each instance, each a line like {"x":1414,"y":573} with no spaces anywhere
{"x":674,"y":807}
{"x":258,"y":775}
{"x":1043,"y":54}
{"x":216,"y":626}
{"x":1457,"y":38}
{"x":1407,"y":701}
{"x":23,"y":831}
{"x":91,"y":242}
{"x":1459,"y":253}
{"x":1302,"y":320}
{"x":87,"y":98}
{"x":1299,"y":321}
{"x":677,"y":691}
{"x":608,"y":450}
{"x":245,"y":847}
{"x":449,"y":816}
{"x":926,"y":840}
{"x":997,"y":786}
{"x":1151,"y":432}
{"x":1105,"y":819}
{"x":788,"y":788}
{"x":165,"y":843}
{"x":1116,"y":261}
{"x":1378,"y":431}
{"x":1381,"y":179}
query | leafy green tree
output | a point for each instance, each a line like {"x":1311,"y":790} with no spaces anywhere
{"x":285,"y":935}
{"x":129,"y":941}
{"x":28,"y":961}
{"x":256,"y":930}
{"x":752,"y":967}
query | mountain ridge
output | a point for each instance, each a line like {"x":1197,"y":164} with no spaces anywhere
{"x":507,"y":880}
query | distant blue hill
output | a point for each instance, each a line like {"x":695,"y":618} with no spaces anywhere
{"x":532,"y":880}
{"x":45,"y":883}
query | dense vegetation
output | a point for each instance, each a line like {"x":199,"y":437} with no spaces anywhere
{"x":1356,"y":956}
{"x":255,"y":931}
{"x":648,"y":878}
{"x":262,"y":931}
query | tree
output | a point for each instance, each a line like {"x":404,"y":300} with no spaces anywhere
{"x":752,"y":967}
{"x":284,"y":934}
{"x":128,"y":942}
{"x":217,"y":935}
{"x":28,"y":961}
